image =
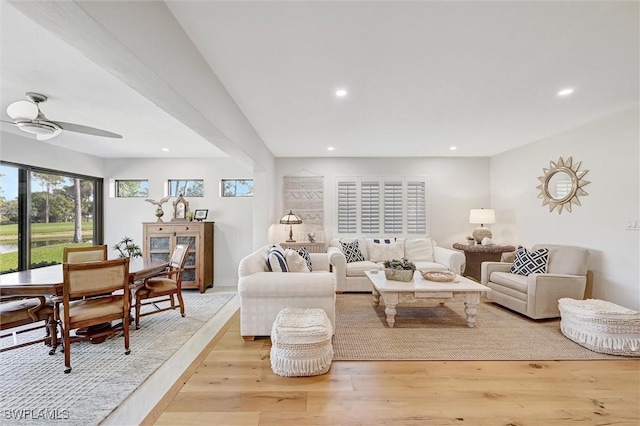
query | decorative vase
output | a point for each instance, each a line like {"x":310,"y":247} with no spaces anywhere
{"x":159,"y":214}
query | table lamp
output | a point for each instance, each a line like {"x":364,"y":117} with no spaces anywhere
{"x":290,"y":219}
{"x":482,"y":216}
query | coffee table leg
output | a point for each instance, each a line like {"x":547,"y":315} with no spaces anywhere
{"x":472,"y":299}
{"x":390,"y":302}
{"x":376,"y":297}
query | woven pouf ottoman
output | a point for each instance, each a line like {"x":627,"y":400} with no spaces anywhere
{"x":601,"y":326}
{"x":301,"y":342}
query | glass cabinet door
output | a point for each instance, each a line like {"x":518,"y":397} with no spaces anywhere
{"x":160,"y":247}
{"x":189,"y":274}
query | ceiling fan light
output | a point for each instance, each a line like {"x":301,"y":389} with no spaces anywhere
{"x":23,"y":110}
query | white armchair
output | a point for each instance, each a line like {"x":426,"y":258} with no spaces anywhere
{"x":536,"y":295}
{"x":263,"y":293}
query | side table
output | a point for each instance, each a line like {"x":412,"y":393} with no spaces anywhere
{"x":477,"y":254}
{"x":315,"y":247}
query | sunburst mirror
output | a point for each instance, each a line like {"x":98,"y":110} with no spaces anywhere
{"x":561,"y":184}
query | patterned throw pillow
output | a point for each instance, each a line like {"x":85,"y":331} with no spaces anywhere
{"x":302,"y":251}
{"x":384,"y":240}
{"x":527,"y":262}
{"x":352,"y":251}
{"x":276,"y":260}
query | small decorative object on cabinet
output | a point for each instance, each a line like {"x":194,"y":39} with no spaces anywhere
{"x":159,"y":203}
{"x":161,"y":239}
{"x":201,"y":214}
{"x":180,"y":208}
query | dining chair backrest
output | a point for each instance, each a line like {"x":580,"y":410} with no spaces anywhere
{"x":95,"y":278}
{"x":84,"y":254}
{"x":179,"y":256}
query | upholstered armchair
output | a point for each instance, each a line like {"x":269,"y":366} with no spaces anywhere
{"x":536,"y":295}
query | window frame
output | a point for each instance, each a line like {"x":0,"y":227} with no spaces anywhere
{"x":178,"y":193}
{"x":222,"y":192}
{"x":116,"y":188}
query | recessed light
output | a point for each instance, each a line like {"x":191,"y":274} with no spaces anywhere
{"x":165,"y":149}
{"x":453,"y":148}
{"x":330,"y":148}
{"x":565,"y":92}
{"x":341,"y":93}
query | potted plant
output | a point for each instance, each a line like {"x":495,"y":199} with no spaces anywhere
{"x":127,"y":248}
{"x":470,"y":240}
{"x":399,"y":270}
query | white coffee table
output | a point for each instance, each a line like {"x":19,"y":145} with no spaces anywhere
{"x":394,"y":293}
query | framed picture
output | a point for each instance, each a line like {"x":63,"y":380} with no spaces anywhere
{"x":200,"y":215}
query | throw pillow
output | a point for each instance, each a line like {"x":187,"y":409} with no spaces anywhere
{"x":382,"y":252}
{"x":295,"y":262}
{"x":383,"y":240}
{"x":352,"y":251}
{"x":276,"y":260}
{"x":302,"y":251}
{"x":534,"y":262}
{"x":419,"y":249}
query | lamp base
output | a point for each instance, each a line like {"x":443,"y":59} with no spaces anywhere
{"x":480,"y":232}
{"x":290,"y":241}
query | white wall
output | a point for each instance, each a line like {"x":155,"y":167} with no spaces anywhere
{"x":26,"y":150}
{"x":609,"y":150}
{"x":233,"y":217}
{"x":455,"y":185}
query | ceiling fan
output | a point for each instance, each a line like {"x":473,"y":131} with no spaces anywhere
{"x":27,"y":117}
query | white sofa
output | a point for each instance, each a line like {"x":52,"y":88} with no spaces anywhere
{"x":424,"y":252}
{"x":263,"y":293}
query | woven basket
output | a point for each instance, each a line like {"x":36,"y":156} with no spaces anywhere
{"x":398,"y":274}
{"x":439,"y":276}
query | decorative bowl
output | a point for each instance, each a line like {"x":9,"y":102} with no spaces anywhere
{"x":405,"y":275}
{"x":439,"y":276}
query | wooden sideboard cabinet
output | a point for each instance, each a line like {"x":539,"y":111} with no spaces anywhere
{"x":161,"y":238}
{"x":316,"y":247}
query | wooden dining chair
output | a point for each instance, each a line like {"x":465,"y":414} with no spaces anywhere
{"x":164,"y":286}
{"x":17,"y":313}
{"x":89,"y":299}
{"x":84,"y":254}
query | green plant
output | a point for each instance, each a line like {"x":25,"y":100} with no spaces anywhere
{"x":127,"y":248}
{"x":400,"y":264}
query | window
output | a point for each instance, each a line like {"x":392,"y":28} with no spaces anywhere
{"x":236,"y":188}
{"x":186,"y":187}
{"x":390,"y":205}
{"x":131,"y":188}
{"x":42,"y":211}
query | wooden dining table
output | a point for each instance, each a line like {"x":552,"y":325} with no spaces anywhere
{"x":49,"y":281}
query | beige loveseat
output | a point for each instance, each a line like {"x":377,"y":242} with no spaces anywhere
{"x":424,"y":252}
{"x":536,"y":295}
{"x":263,"y":293}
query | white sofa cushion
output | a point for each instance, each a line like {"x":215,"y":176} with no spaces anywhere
{"x":295,"y":262}
{"x":425,"y":266}
{"x":356,"y":269}
{"x":387,"y":251}
{"x":419,"y":249}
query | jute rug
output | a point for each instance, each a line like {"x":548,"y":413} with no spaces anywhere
{"x":439,"y":332}
{"x":35,"y":390}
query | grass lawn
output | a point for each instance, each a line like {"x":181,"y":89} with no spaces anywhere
{"x":40,"y":231}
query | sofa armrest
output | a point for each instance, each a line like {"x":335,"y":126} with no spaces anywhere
{"x":546,"y":289}
{"x":338,"y":263}
{"x":320,"y":261}
{"x":452,"y":259}
{"x":487,"y":268}
{"x":286,"y":284}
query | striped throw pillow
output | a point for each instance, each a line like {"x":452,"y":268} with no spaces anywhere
{"x":276,"y":260}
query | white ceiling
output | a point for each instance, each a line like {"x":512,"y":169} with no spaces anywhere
{"x":421,"y":76}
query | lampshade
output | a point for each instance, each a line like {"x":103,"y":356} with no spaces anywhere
{"x":482,"y":216}
{"x":290,"y":219}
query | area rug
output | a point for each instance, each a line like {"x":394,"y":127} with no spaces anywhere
{"x":35,"y":390}
{"x":440,"y":332}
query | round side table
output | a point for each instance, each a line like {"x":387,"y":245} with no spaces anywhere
{"x":477,"y":254}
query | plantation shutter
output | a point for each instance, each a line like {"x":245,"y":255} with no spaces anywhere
{"x":347,"y":222}
{"x":393,"y":207}
{"x":370,"y":207}
{"x":416,"y":208}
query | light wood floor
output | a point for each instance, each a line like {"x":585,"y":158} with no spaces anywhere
{"x":231,"y":383}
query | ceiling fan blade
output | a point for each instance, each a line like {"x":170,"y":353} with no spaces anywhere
{"x":23,"y":110}
{"x":9,"y":122}
{"x":47,"y":136}
{"x":86,"y":129}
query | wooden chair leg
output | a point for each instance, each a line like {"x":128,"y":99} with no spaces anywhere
{"x":67,"y":350}
{"x":181,"y":301}
{"x":138,"y":305}
{"x":125,"y":326}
